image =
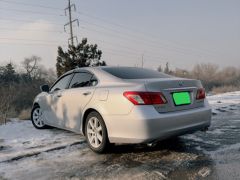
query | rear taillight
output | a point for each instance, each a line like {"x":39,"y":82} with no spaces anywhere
{"x":201,"y":94}
{"x":145,"y":98}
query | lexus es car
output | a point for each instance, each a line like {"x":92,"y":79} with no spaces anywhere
{"x":122,"y":105}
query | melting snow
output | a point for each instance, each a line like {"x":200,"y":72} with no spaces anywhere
{"x":224,"y":102}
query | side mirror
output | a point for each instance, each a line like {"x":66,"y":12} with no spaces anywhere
{"x":44,"y":88}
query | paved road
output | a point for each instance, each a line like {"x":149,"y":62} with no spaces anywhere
{"x":203,"y":155}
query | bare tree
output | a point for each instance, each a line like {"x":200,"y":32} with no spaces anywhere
{"x":181,"y":73}
{"x":31,"y":66}
{"x":159,"y":69}
{"x":205,"y":72}
{"x":49,"y":75}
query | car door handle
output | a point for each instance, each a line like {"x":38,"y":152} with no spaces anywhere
{"x":86,"y":93}
{"x":59,"y":95}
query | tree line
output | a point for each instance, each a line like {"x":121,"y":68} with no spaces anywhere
{"x":213,"y":78}
{"x":19,"y":87}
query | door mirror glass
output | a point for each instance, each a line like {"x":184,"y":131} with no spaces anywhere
{"x":44,"y":88}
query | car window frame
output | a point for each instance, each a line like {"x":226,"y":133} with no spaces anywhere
{"x":92,"y":75}
{"x":59,"y":79}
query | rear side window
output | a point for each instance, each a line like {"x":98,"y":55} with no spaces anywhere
{"x":81,"y":80}
{"x":134,"y":73}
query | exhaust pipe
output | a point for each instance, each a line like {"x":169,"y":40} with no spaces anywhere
{"x":152,"y":144}
{"x":205,"y":129}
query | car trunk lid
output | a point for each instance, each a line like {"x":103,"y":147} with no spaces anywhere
{"x":180,"y":93}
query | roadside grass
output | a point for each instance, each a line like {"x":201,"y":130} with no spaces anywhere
{"x":225,"y":89}
{"x":25,"y":114}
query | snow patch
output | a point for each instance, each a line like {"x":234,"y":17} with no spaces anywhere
{"x":224,"y":102}
{"x":19,"y":138}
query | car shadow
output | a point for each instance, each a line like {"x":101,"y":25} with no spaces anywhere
{"x":175,"y":158}
{"x":173,"y":144}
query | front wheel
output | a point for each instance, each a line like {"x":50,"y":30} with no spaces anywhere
{"x":96,"y":133}
{"x":37,"y":118}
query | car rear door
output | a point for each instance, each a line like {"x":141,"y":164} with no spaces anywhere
{"x":76,"y":97}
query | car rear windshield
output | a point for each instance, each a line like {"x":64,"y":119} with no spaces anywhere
{"x":135,"y":73}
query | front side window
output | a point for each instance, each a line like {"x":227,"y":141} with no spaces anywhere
{"x":81,"y":80}
{"x":62,"y":83}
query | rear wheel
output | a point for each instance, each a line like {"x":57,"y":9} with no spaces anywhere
{"x":37,"y":118}
{"x":96,"y":133}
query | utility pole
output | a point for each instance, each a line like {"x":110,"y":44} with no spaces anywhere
{"x":70,"y":23}
{"x":70,"y":20}
{"x":142,"y":60}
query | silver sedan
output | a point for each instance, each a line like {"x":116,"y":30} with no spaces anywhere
{"x":122,"y":105}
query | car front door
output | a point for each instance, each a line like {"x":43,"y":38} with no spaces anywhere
{"x":54,"y":110}
{"x":76,"y":97}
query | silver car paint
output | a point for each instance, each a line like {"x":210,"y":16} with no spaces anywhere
{"x":125,"y":122}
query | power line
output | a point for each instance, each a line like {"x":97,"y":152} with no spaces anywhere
{"x":150,"y":46}
{"x":29,"y":21}
{"x":31,"y":44}
{"x":34,"y":40}
{"x":108,"y":51}
{"x":152,"y":43}
{"x":31,"y":30}
{"x":52,"y":43}
{"x":122,"y":36}
{"x":181,"y":49}
{"x":112,"y":51}
{"x":144,"y":34}
{"x":103,"y":20}
{"x":127,"y":49}
{"x":31,"y":5}
{"x":93,"y":17}
{"x":56,"y":43}
{"x":32,"y":12}
{"x":133,"y":50}
{"x":81,"y":13}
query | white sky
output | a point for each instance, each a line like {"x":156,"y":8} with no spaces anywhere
{"x":182,"y":33}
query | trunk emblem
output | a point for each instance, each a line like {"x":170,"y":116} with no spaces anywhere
{"x":180,"y":84}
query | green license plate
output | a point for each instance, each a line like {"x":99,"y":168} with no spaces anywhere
{"x":181,"y":98}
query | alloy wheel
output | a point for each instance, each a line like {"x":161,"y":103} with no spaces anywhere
{"x":95,"y":132}
{"x":37,"y":117}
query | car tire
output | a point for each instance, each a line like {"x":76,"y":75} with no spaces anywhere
{"x":96,"y":133}
{"x":37,"y":118}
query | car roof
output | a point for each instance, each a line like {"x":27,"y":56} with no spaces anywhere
{"x":104,"y":67}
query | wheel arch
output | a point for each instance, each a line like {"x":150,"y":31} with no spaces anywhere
{"x":36,"y":104}
{"x":84,"y":118}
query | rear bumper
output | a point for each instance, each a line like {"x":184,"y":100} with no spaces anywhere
{"x":144,"y":124}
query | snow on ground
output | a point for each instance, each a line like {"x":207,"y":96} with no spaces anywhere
{"x":224,"y":102}
{"x":20,"y":138}
{"x":28,"y":153}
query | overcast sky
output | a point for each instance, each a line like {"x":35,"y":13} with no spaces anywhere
{"x":181,"y":32}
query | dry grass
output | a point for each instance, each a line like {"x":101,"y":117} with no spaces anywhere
{"x":224,"y":89}
{"x":25,"y":114}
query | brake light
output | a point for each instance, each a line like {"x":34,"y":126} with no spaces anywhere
{"x":145,"y":98}
{"x":201,"y":94}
